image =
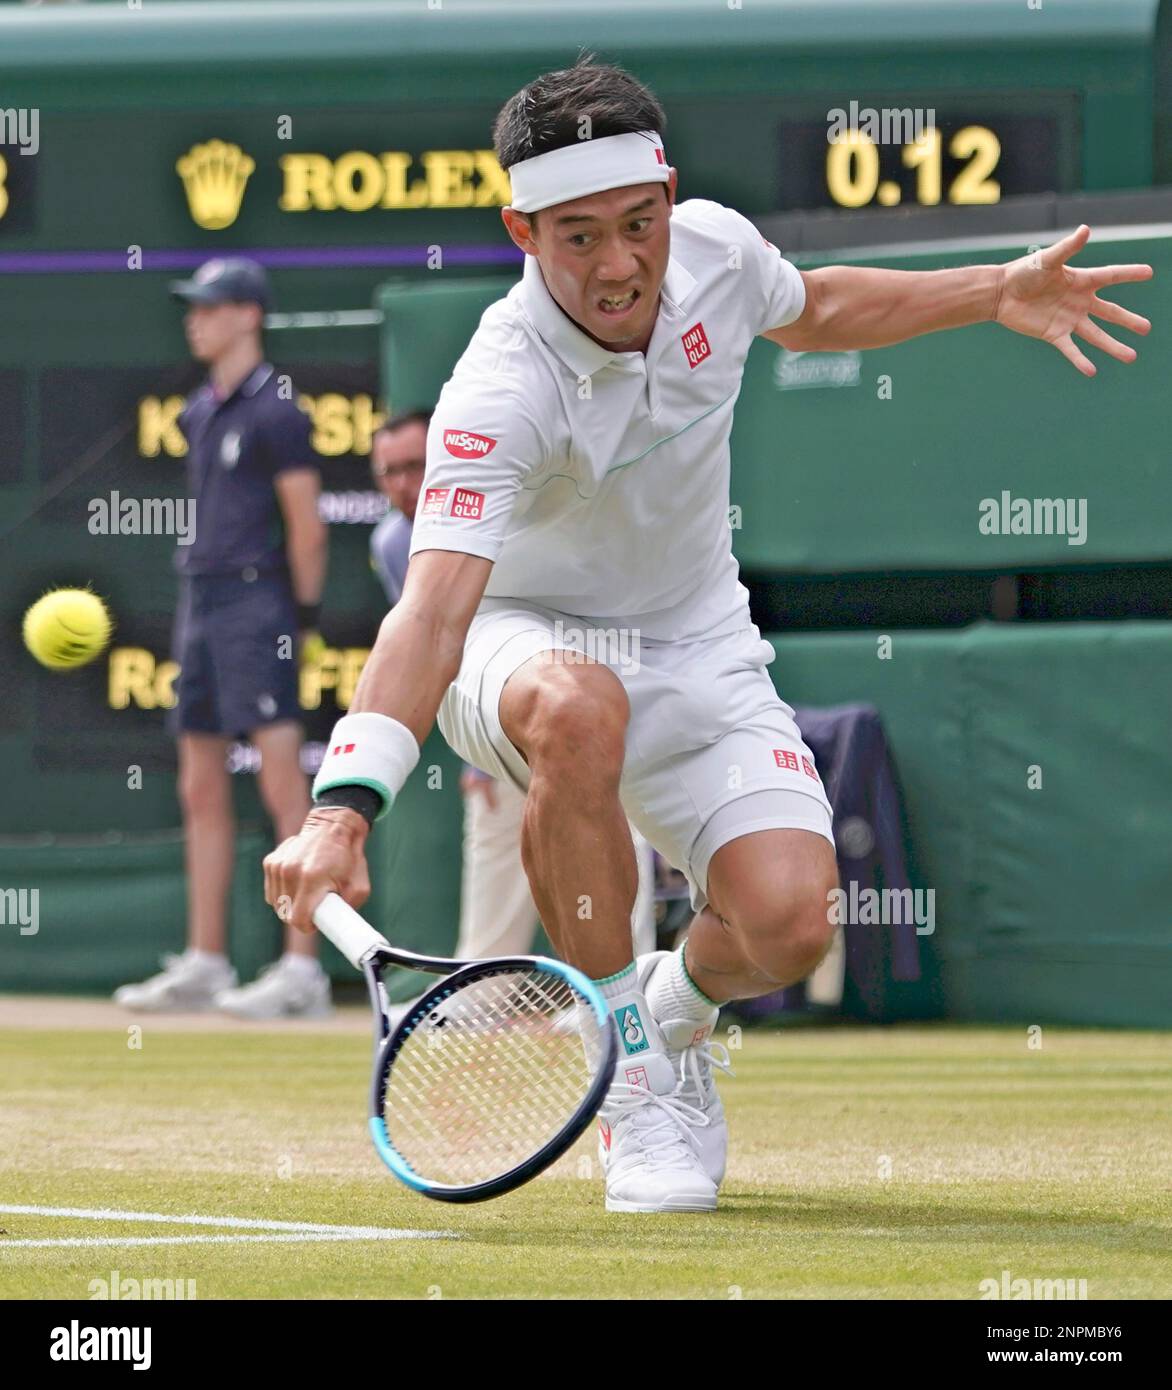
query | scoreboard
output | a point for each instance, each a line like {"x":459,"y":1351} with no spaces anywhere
{"x":970,"y":156}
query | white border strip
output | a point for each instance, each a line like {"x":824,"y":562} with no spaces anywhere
{"x":1100,"y":232}
{"x":279,"y":1231}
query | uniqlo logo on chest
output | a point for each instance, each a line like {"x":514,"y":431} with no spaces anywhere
{"x":696,"y":348}
{"x":809,"y":769}
{"x":433,"y":501}
{"x":784,"y":758}
{"x":463,"y":444}
{"x":468,"y":505}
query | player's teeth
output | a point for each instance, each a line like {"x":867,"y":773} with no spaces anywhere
{"x":619,"y":303}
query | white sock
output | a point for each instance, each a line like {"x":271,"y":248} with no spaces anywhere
{"x":309,"y":966}
{"x":672,"y":994}
{"x":613,"y":986}
{"x":205,"y":957}
{"x":630,"y":1010}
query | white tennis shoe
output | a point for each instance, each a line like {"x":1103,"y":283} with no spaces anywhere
{"x":280,"y":991}
{"x":186,"y":983}
{"x":695,"y":1064}
{"x":647,"y":1147}
{"x":695,"y":1058}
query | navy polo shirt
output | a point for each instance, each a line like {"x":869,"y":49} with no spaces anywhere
{"x":236,"y":448}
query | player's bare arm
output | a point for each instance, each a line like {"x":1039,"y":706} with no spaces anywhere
{"x":1039,"y":295}
{"x":416,"y":656}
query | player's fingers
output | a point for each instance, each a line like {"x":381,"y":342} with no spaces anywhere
{"x":1067,"y":348}
{"x":273,"y":865}
{"x":1062,"y":250}
{"x":359,"y":887}
{"x":1090,"y":332}
{"x":1116,"y":313}
{"x":1117,"y":275}
{"x":272,"y":871}
{"x":283,"y":891}
{"x":302,"y":904}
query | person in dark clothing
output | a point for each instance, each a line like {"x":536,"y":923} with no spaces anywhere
{"x":250,"y":589}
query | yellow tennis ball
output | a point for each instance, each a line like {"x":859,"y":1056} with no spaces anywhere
{"x":67,"y":628}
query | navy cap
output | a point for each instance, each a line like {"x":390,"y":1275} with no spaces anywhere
{"x":223,"y":281}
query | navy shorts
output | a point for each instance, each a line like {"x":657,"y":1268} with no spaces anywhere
{"x":228,"y":643}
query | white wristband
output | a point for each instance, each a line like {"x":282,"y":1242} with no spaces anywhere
{"x":368,"y":750}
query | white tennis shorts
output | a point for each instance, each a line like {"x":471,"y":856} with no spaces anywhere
{"x":712,"y":753}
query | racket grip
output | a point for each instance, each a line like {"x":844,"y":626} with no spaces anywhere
{"x":349,"y":932}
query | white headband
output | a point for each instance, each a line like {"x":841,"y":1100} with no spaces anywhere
{"x":590,"y":166}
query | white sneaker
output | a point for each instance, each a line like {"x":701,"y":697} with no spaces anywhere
{"x":647,"y":1145}
{"x":694,"y":1057}
{"x":279,"y":991}
{"x":185,"y":983}
{"x":649,"y":1154}
{"x":694,"y":1065}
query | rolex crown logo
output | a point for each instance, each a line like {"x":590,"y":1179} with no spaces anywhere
{"x":214,"y":175}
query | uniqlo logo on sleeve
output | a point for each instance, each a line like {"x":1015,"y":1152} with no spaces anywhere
{"x":784,"y":758}
{"x":468,"y":505}
{"x":808,"y":768}
{"x":696,"y":348}
{"x":433,"y":501}
{"x":463,"y":444}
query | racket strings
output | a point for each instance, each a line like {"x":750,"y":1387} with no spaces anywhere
{"x":490,"y":1075}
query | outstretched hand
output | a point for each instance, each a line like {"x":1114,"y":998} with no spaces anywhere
{"x":1044,"y":297}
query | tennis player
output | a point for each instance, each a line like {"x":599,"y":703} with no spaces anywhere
{"x":574,"y":513}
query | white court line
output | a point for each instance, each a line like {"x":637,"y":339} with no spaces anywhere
{"x":297,"y":1230}
{"x":273,"y":1238}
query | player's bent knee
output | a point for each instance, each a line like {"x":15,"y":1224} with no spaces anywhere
{"x":572,"y":715}
{"x":787,"y":932}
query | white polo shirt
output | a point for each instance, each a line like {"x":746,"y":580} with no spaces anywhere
{"x":598,"y":481}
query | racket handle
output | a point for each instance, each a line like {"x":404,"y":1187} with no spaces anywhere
{"x":349,"y":932}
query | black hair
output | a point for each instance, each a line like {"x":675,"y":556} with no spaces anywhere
{"x":420,"y":414}
{"x":586,"y":102}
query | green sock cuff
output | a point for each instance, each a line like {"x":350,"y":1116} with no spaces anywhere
{"x":610,"y":979}
{"x":712,"y":1003}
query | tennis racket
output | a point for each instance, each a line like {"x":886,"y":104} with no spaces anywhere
{"x":492,"y":1073}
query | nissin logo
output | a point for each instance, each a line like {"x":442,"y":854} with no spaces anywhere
{"x":463,"y":445}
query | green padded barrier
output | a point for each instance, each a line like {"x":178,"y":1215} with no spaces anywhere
{"x":836,"y":478}
{"x":426,"y":328}
{"x":1073,"y":878}
{"x":110,"y":906}
{"x":1052,"y":903}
